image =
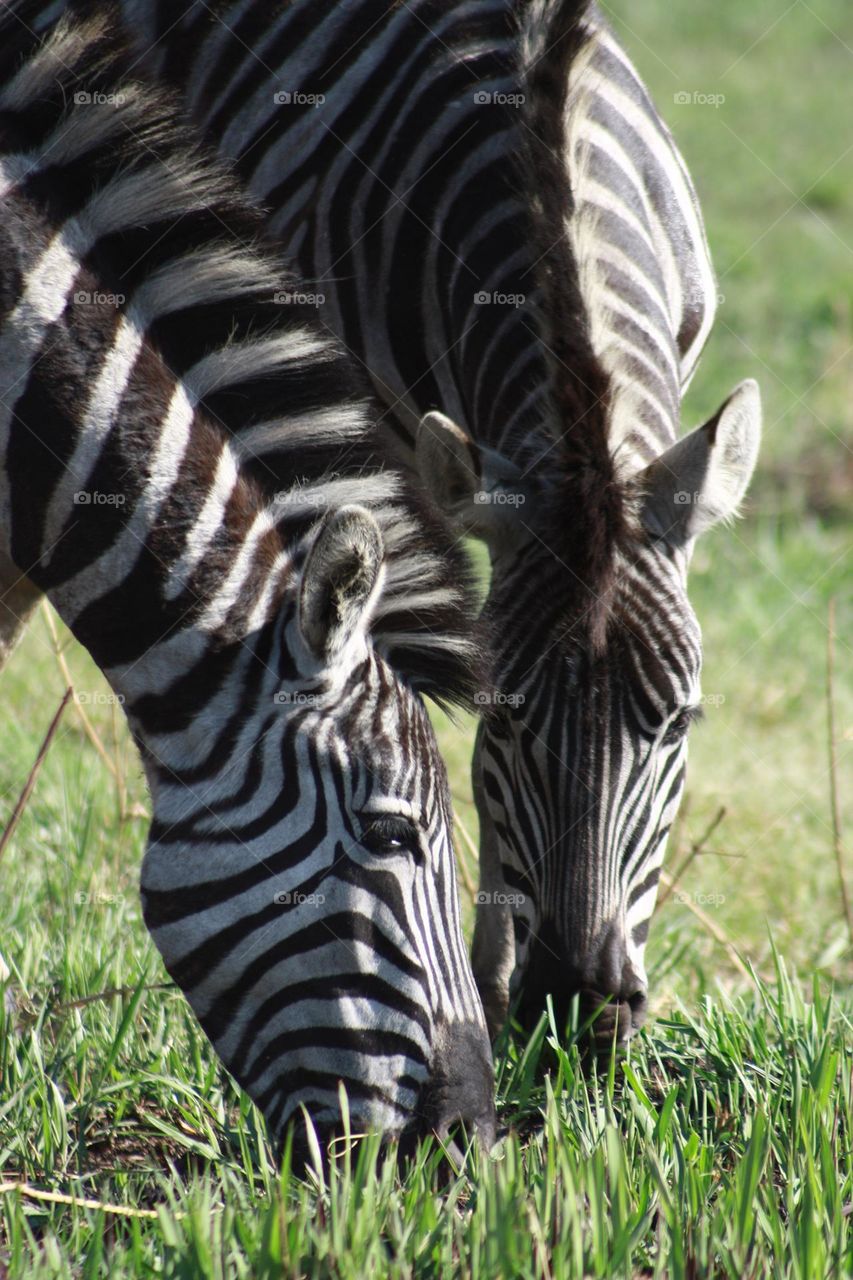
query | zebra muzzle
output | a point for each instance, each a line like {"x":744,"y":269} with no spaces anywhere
{"x":458,"y":1100}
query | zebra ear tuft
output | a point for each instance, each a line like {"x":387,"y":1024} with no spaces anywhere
{"x":703,"y":477}
{"x":471,"y":484}
{"x":341,"y":581}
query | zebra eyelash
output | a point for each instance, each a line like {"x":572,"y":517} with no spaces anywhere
{"x":678,"y":727}
{"x":390,"y":835}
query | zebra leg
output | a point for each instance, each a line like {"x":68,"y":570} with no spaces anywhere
{"x":18,"y":598}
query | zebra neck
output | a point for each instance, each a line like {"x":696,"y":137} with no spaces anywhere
{"x":639,"y":246}
{"x":118,"y":497}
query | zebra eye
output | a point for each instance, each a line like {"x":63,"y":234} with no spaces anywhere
{"x":678,"y":727}
{"x":390,"y":834}
{"x":499,"y":728}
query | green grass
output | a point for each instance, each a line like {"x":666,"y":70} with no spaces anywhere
{"x":721,"y":1146}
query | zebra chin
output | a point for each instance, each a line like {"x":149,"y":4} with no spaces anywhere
{"x":610,"y":997}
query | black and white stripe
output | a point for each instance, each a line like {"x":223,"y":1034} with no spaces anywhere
{"x":506,"y":233}
{"x":192,"y":472}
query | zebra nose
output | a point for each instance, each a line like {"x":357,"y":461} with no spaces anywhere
{"x":611,"y":994}
{"x":460,"y":1093}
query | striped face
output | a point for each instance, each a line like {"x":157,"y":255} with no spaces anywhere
{"x":579,"y":773}
{"x":304,"y":895}
{"x":310,"y":912}
{"x":579,"y":763}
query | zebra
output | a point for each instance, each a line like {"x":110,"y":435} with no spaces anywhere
{"x":192,"y":473}
{"x":496,"y":174}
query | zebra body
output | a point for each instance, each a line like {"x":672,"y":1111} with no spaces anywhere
{"x":191,"y":472}
{"x":507,"y":236}
{"x":400,"y":182}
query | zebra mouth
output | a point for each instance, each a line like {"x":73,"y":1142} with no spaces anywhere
{"x":454,"y":1140}
{"x":598,"y":1019}
{"x":610,"y":1019}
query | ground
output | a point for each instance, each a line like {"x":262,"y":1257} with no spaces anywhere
{"x":721,"y":1145}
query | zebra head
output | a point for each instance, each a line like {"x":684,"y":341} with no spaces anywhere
{"x":580,"y":760}
{"x":309,"y":909}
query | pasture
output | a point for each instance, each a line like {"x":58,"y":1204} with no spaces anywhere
{"x":720,"y":1145}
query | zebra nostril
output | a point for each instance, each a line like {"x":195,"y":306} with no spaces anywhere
{"x":458,"y":1101}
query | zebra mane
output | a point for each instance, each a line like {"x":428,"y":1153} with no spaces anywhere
{"x":585,"y":505}
{"x":167,"y":226}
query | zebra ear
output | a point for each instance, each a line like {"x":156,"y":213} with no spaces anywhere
{"x":703,"y":477}
{"x":471,"y":484}
{"x":448,"y":462}
{"x":341,"y":581}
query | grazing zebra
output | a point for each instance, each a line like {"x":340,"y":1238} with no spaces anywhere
{"x":192,"y":474}
{"x":494,"y":173}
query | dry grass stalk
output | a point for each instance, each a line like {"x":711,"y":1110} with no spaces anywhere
{"x":34,"y":772}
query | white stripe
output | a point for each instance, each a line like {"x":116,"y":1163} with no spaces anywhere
{"x":98,"y":421}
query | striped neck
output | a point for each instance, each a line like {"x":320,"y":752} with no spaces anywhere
{"x":253,"y":406}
